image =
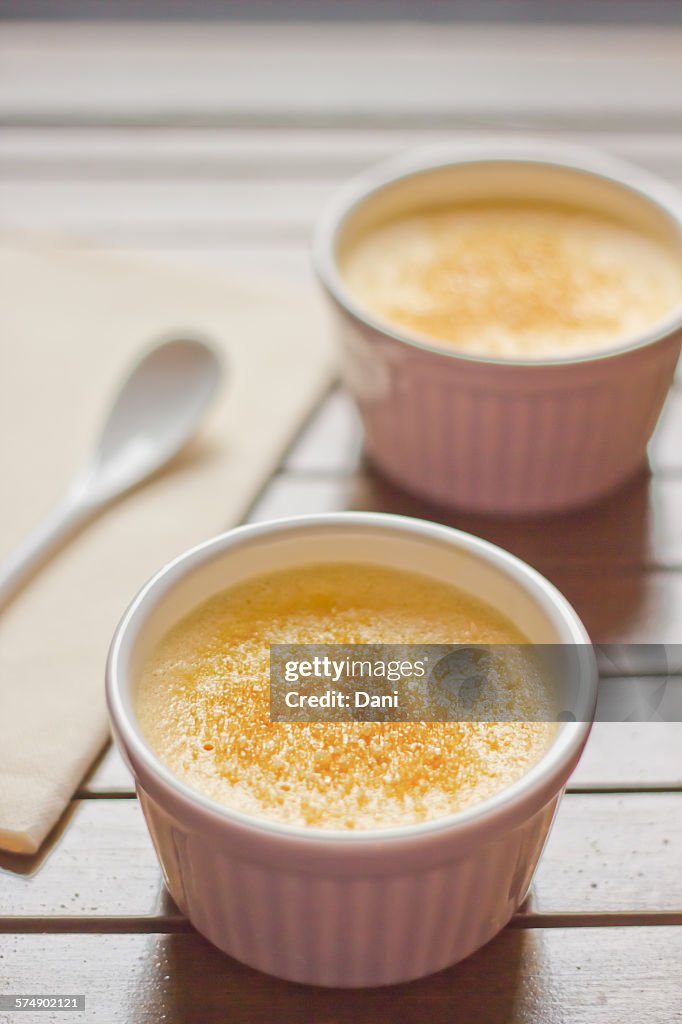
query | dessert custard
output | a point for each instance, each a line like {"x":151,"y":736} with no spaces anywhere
{"x":203,"y":703}
{"x":514,"y":281}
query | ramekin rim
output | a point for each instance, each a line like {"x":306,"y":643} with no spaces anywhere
{"x":413,"y":162}
{"x":556,"y":761}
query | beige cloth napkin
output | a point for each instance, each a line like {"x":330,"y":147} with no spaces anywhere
{"x":71,"y":321}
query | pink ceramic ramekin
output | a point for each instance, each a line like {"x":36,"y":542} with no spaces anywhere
{"x":487,"y":434}
{"x":333,"y":907}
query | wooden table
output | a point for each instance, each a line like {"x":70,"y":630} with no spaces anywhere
{"x":218,"y":143}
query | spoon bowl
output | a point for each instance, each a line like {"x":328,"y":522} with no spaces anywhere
{"x":157,"y":410}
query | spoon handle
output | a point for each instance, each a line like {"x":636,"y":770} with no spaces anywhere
{"x":56,"y":528}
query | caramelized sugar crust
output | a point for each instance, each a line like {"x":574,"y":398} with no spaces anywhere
{"x":514,"y":281}
{"x":203,"y":703}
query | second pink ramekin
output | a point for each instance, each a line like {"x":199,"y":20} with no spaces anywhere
{"x":489,"y":434}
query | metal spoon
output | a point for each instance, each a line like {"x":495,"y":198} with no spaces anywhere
{"x":157,"y":410}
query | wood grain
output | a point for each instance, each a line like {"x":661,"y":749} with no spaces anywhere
{"x":606,"y":854}
{"x":288,"y":75}
{"x":631,"y":755}
{"x":559,"y":976}
{"x":144,"y":211}
{"x":204,"y":153}
{"x":639,"y":527}
{"x":331,"y":443}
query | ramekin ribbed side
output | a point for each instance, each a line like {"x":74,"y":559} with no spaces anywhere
{"x":309,"y":925}
{"x":504,"y":437}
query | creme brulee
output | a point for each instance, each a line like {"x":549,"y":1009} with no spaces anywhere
{"x":514,"y":281}
{"x":203,"y":703}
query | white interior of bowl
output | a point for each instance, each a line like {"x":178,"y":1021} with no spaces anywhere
{"x":469,"y":184}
